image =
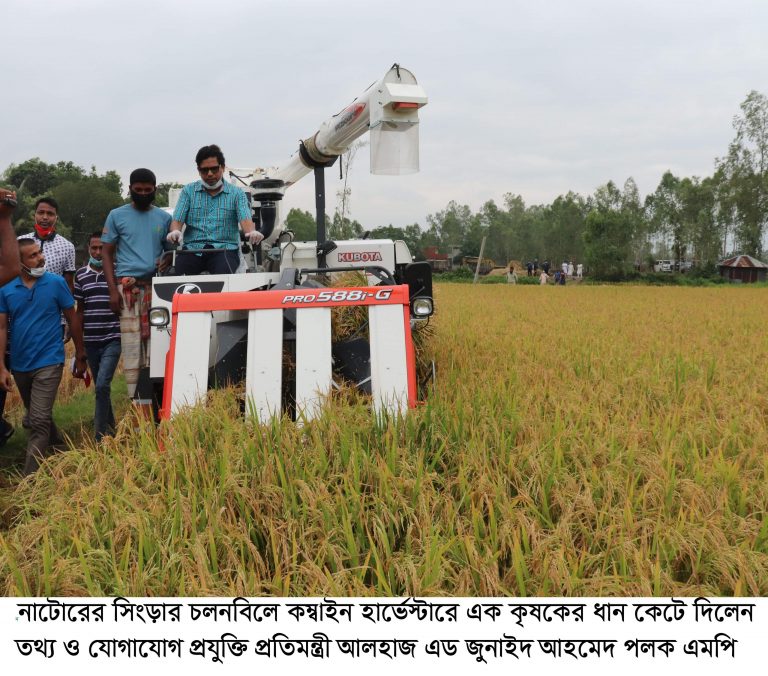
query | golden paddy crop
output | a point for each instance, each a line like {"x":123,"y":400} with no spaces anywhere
{"x":579,"y":441}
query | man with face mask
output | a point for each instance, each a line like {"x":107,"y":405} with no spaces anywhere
{"x":34,"y":302}
{"x":58,"y":251}
{"x":101,"y":333}
{"x":213,"y":211}
{"x":134,"y":237}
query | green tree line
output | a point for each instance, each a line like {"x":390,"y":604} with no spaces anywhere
{"x":85,"y":197}
{"x":613,"y":230}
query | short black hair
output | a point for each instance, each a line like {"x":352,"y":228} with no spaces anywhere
{"x":94,"y":235}
{"x":47,"y":200}
{"x":142,"y":176}
{"x":25,"y":241}
{"x":210,"y":151}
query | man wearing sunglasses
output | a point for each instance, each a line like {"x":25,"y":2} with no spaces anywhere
{"x":213,"y":211}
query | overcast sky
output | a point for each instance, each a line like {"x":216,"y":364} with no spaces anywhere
{"x":530,"y":98}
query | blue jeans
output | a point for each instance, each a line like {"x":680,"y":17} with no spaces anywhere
{"x":102,"y":360}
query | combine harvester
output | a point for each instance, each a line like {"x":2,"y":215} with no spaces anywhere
{"x":270,"y":325}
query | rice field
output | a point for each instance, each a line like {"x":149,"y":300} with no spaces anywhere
{"x":579,"y":441}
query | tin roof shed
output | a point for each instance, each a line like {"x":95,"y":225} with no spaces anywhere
{"x":744,"y":269}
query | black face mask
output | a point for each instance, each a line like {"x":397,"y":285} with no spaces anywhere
{"x":142,"y":201}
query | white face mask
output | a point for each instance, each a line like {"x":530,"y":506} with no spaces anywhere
{"x":214,"y":186}
{"x":35,"y":272}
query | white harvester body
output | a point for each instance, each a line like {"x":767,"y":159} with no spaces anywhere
{"x":247,"y":337}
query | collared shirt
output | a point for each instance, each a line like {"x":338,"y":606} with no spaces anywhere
{"x":212,"y":220}
{"x":59,"y":253}
{"x":100,"y":324}
{"x":139,"y":237}
{"x":35,"y":313}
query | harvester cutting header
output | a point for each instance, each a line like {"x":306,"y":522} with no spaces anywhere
{"x":269,"y":324}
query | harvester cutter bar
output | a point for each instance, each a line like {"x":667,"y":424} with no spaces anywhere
{"x":393,"y":377}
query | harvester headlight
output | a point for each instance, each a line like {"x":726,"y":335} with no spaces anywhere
{"x":159,"y":316}
{"x":421,"y":307}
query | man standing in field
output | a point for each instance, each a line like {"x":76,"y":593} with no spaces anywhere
{"x":212,"y":210}
{"x":134,"y":235}
{"x":34,"y":302}
{"x":101,"y":333}
{"x":59,"y":252}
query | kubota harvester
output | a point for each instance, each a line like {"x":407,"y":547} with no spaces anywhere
{"x":269,"y":325}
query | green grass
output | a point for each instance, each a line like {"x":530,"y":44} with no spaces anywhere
{"x":74,"y":418}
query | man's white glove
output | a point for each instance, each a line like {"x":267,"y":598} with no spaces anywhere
{"x":174,"y":237}
{"x":254,"y":237}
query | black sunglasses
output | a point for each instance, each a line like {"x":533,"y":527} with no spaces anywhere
{"x":209,"y":170}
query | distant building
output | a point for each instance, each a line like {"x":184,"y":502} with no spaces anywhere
{"x":439,"y":262}
{"x":743,"y":269}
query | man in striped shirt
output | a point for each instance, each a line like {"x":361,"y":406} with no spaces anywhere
{"x":101,"y":330}
{"x":213,"y":211}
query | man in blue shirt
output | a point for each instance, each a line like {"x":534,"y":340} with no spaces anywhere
{"x":213,"y":211}
{"x":34,"y":301}
{"x":134,"y":234}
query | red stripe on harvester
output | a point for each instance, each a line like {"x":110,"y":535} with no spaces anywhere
{"x":170,"y":358}
{"x":410,"y":357}
{"x":272,"y":300}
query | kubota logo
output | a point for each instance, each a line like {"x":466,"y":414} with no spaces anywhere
{"x":188,"y":288}
{"x":359,"y":256}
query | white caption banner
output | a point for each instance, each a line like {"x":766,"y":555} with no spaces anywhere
{"x":378,"y":635}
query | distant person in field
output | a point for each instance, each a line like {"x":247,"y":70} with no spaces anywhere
{"x":570,"y":269}
{"x":580,"y":271}
{"x":34,"y":302}
{"x":9,"y":269}
{"x":529,"y":268}
{"x":545,"y":267}
{"x":213,"y":211}
{"x":535,"y":267}
{"x":101,"y":333}
{"x":543,"y":278}
{"x":132,"y":248}
{"x":511,"y":275}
